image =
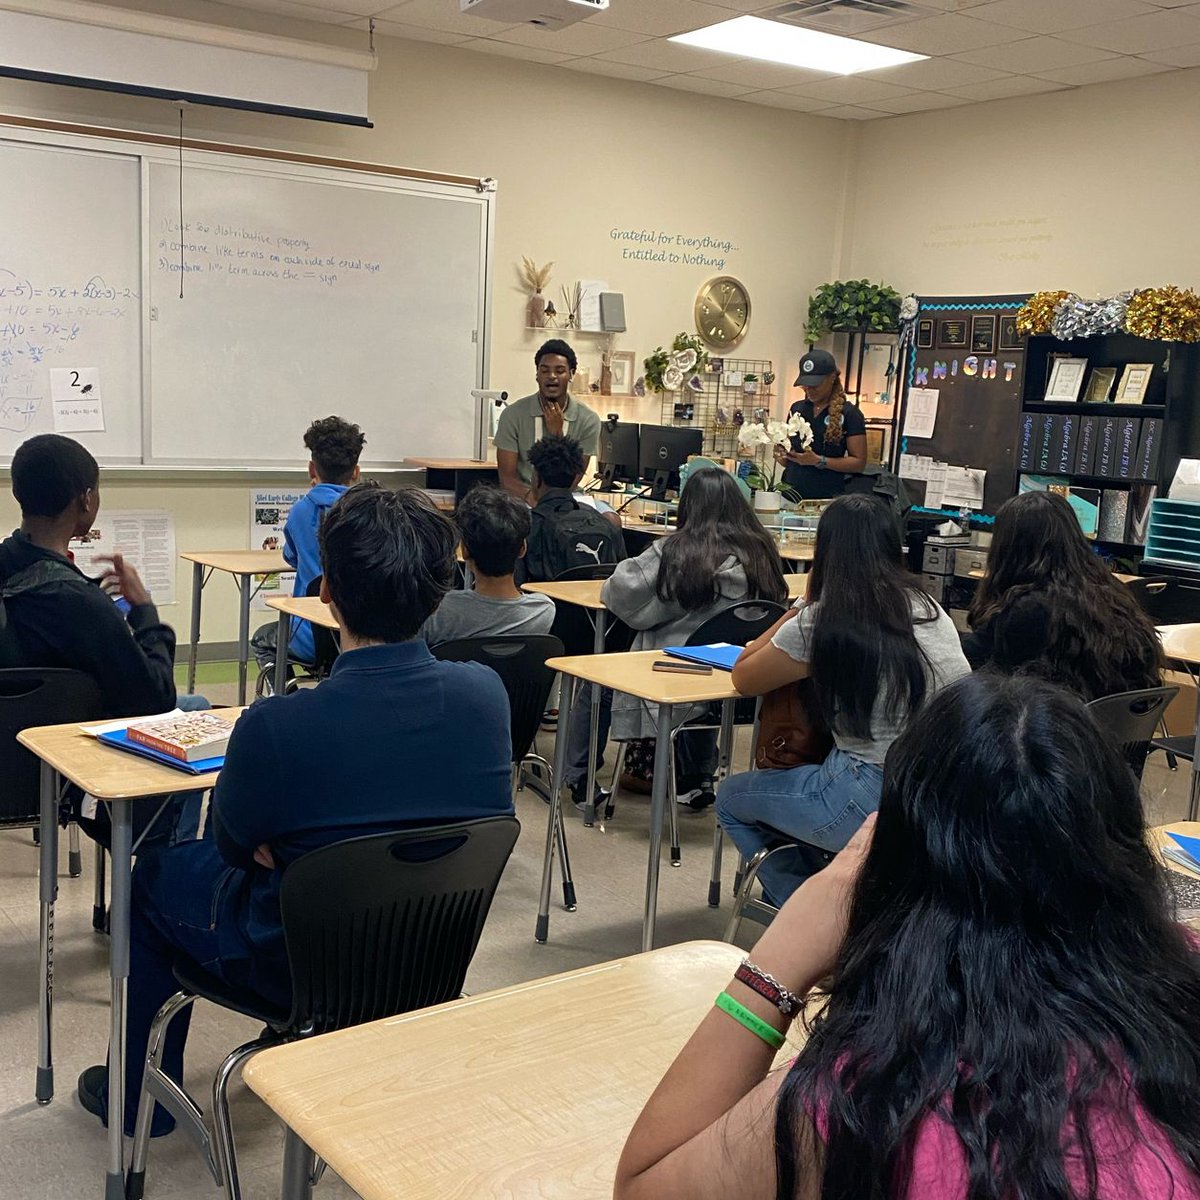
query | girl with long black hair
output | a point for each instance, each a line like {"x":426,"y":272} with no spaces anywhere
{"x":1048,"y":605}
{"x":719,"y":554}
{"x":875,"y":646}
{"x":1009,"y":1013}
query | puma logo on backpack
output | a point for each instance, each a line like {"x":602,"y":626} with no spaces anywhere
{"x":584,"y":548}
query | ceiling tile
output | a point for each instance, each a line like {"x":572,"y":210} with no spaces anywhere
{"x":851,"y":89}
{"x":951,"y":5}
{"x":661,"y":18}
{"x":509,"y":50}
{"x":948,"y":34}
{"x":1037,"y":16}
{"x":414,"y":33}
{"x":1034,"y":55}
{"x":672,"y":58}
{"x":849,"y":112}
{"x":1108,"y":69}
{"x":776,"y":99}
{"x":1171,"y":3}
{"x":707,"y":87}
{"x":583,"y":38}
{"x":1179,"y":56}
{"x":327,"y":14}
{"x":1138,"y":35}
{"x":434,"y":14}
{"x":919,"y":102}
{"x":1001,"y":89}
{"x":598,"y":66}
{"x":937,"y":74}
{"x":755,"y":74}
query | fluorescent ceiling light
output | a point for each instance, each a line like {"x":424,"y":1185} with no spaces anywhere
{"x":774,"y":41}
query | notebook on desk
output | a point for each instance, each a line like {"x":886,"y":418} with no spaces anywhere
{"x":119,"y":738}
{"x":1185,"y":852}
{"x":721,"y":654}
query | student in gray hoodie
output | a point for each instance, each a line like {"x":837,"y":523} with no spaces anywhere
{"x":720,"y":554}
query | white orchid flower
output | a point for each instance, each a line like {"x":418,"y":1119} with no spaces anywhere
{"x":685,"y":360}
{"x":672,"y":378}
{"x":778,"y":432}
{"x":752,"y":434}
{"x":797,"y":426}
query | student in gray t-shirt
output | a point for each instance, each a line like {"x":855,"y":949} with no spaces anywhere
{"x":876,"y":648}
{"x":494,"y":528}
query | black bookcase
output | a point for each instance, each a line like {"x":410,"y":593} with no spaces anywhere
{"x":1172,"y":398}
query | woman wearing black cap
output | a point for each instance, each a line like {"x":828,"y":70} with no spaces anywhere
{"x":839,"y":446}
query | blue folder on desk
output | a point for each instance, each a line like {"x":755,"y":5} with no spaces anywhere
{"x":1189,"y":845}
{"x":120,"y":739}
{"x":721,"y":655}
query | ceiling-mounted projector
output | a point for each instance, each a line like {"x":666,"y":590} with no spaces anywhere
{"x":545,"y":14}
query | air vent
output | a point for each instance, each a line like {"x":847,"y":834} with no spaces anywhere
{"x":847,"y":17}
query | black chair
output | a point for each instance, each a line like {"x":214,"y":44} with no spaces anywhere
{"x":521,"y":664}
{"x":326,"y":648}
{"x":1131,"y":719}
{"x":374,"y":926}
{"x":1166,"y":601}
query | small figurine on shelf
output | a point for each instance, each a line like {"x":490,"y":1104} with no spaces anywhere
{"x":739,"y":417}
{"x":550,"y":316}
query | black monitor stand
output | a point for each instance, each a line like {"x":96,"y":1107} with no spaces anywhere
{"x":658,"y":486}
{"x":608,"y":476}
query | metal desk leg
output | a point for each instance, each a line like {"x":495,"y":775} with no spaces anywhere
{"x":282,"y":634}
{"x":724,"y":759}
{"x":566,"y":699}
{"x":658,"y":805}
{"x":197,"y":591}
{"x":298,"y":1164}
{"x":243,"y":635}
{"x":589,"y":810}
{"x":47,"y":894}
{"x":118,"y":966}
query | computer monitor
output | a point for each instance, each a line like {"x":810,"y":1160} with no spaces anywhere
{"x":665,"y":448}
{"x":617,"y":454}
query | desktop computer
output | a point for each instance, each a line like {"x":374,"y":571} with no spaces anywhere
{"x":617,"y":455}
{"x":664,"y":449}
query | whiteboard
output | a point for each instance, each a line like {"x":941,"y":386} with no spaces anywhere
{"x":308,"y":289}
{"x":70,"y":290}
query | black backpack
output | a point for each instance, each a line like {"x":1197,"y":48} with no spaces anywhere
{"x":44,"y":573}
{"x":567,"y":534}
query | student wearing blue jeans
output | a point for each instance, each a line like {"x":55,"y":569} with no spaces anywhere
{"x":353,"y":756}
{"x":876,"y":647}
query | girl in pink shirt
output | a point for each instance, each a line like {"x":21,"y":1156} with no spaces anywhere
{"x":1008,"y":1013}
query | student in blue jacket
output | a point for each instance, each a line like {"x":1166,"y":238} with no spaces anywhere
{"x":335,"y":446}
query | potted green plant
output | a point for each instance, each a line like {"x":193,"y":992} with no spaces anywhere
{"x":852,"y":304}
{"x":757,"y":440}
{"x":669,"y":370}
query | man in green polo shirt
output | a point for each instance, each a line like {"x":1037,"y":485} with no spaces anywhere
{"x":551,"y":411}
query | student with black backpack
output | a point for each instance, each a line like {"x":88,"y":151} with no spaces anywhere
{"x":565,"y":533}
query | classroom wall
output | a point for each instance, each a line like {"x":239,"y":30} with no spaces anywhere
{"x":1093,"y":190}
{"x":577,"y":157}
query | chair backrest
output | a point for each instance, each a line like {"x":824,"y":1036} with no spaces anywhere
{"x":573,"y":625}
{"x":1166,"y":601}
{"x":326,"y":646}
{"x":1131,"y":720}
{"x":739,"y":624}
{"x":384,"y":924}
{"x":32,"y":696}
{"x":599,"y":571}
{"x":521,"y":664}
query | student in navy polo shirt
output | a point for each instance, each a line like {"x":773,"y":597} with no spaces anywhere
{"x":364,"y":752}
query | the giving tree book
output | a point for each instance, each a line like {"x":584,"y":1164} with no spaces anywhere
{"x":189,"y":737}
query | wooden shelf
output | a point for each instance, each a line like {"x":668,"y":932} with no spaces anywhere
{"x":559,"y":329}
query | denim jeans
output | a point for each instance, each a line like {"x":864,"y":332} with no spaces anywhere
{"x":821,"y":805}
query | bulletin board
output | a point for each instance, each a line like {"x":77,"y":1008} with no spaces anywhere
{"x":966,"y":350}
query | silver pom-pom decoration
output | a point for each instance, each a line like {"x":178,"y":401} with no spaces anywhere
{"x":1076,"y":317}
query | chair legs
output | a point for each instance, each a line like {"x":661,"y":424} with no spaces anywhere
{"x":673,"y":804}
{"x":560,"y":834}
{"x":747,"y":874}
{"x":299,"y":1169}
{"x":74,"y":857}
{"x":714,"y":877}
{"x":99,"y":905}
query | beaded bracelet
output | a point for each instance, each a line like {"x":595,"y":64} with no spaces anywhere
{"x":740,"y":1013}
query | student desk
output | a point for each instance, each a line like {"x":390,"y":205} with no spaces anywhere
{"x":307,"y":608}
{"x":495,"y":1095}
{"x":632,"y":673}
{"x":242,"y":565}
{"x":457,"y":475}
{"x":1182,"y":643}
{"x":117,"y":778}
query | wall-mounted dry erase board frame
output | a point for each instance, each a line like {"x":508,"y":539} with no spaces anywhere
{"x":967,"y":350}
{"x":309,"y":286}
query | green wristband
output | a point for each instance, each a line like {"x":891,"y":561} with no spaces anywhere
{"x":740,"y":1013}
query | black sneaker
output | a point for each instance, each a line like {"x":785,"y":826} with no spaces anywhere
{"x":92,"y":1091}
{"x":578,"y":794}
{"x":697,"y":799}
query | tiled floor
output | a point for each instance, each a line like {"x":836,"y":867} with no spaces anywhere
{"x":58,"y":1151}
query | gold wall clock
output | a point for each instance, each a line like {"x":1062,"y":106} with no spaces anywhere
{"x":723,"y":312}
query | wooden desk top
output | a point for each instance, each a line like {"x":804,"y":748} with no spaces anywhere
{"x":797,"y":586}
{"x":632,"y":672}
{"x":307,"y":608}
{"x":796,"y":549}
{"x":451,"y":464}
{"x":506,"y":1094}
{"x":583,"y":592}
{"x":1116,"y":575}
{"x":239,"y":562}
{"x":105,"y":772}
{"x":1181,"y":642}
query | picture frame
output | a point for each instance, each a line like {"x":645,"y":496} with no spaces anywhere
{"x":983,"y":334}
{"x":623,"y":365}
{"x":1010,"y":339}
{"x":1100,"y":385}
{"x":1135,"y":382}
{"x":1066,"y":380}
{"x":581,"y":383}
{"x":952,"y":333}
{"x":925,"y":333}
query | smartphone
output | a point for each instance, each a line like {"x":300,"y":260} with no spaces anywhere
{"x":680,"y":667}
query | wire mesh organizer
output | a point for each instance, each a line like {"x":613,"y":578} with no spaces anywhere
{"x":715,"y":408}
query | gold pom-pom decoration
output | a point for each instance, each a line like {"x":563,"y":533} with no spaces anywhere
{"x":1166,"y":314}
{"x":1036,"y":315}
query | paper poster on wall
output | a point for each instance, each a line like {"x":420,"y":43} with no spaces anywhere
{"x":921,"y":416}
{"x":144,"y":536}
{"x":589,"y":304}
{"x":75,"y":394}
{"x":268,"y":515}
{"x":964,"y":487}
{"x":935,"y":488}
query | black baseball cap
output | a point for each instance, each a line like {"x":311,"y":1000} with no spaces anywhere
{"x":814,"y":367}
